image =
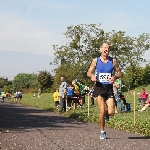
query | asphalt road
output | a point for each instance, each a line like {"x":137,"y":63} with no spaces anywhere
{"x":28,"y":128}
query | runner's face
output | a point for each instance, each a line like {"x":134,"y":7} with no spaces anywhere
{"x":105,"y":49}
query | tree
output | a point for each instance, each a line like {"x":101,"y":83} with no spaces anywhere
{"x":4,"y":82}
{"x":83,"y":42}
{"x":78,"y":51}
{"x":25,"y":81}
{"x":146,"y":74}
{"x":131,"y":79}
{"x":45,"y":80}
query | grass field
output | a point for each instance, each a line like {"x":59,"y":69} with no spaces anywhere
{"x":124,"y":121}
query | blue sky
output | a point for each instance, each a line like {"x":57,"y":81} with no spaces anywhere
{"x":29,"y":28}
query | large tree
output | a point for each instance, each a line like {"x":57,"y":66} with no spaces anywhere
{"x":25,"y":81}
{"x":83,"y":42}
{"x":45,"y":80}
{"x":4,"y":82}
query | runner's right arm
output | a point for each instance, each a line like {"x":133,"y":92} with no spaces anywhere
{"x":91,"y":70}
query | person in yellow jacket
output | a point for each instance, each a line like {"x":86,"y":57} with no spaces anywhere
{"x":56,"y":98}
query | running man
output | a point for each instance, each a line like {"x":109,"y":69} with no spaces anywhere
{"x":105,"y":67}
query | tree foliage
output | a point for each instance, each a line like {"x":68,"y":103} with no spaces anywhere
{"x":5,"y":85}
{"x":45,"y":80}
{"x":25,"y":81}
{"x":82,"y":45}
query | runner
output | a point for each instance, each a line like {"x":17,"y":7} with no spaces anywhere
{"x":105,"y":66}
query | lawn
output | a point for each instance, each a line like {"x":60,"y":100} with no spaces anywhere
{"x":121,"y":121}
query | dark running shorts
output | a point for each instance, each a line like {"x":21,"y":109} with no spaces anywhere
{"x":104,"y":90}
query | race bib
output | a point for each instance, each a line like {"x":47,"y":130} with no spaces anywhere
{"x":103,"y":77}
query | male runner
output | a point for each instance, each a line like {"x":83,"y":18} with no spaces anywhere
{"x":105,"y":67}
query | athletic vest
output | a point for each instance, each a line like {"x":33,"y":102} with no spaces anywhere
{"x":104,"y":70}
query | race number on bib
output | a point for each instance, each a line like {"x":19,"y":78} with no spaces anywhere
{"x":103,"y":77}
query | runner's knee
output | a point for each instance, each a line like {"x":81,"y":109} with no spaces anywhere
{"x":111,"y":113}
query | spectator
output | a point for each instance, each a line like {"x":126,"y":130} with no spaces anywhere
{"x":119,"y":103}
{"x":56,"y":98}
{"x":143,"y":97}
{"x":70,"y":94}
{"x":39,"y":92}
{"x":124,"y":102}
{"x":145,"y":106}
{"x":76,"y":93}
{"x":86,"y":90}
{"x":117,"y":94}
{"x":92,"y":95}
{"x":82,"y":93}
{"x":62,"y":94}
{"x":118,"y":83}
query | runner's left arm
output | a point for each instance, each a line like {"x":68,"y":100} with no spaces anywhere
{"x":118,"y":73}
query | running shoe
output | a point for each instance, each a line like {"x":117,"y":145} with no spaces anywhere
{"x":103,"y":135}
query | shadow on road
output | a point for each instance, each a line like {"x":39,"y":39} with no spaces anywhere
{"x":144,"y":137}
{"x":16,"y":116}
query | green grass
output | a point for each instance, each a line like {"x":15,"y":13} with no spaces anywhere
{"x":124,"y":121}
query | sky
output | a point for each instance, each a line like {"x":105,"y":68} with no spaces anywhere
{"x":30,"y":28}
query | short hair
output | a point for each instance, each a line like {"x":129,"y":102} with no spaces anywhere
{"x":62,"y":75}
{"x":101,"y":45}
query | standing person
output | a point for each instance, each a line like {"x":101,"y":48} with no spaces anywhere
{"x":76,"y":93}
{"x":118,"y":83}
{"x":117,"y":95}
{"x":39,"y":92}
{"x":62,"y":94}
{"x":92,"y":95}
{"x":105,"y":66}
{"x":70,"y":94}
{"x":82,"y":93}
{"x":56,"y":98}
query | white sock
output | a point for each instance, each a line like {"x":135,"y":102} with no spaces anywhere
{"x":143,"y":109}
{"x":102,"y":131}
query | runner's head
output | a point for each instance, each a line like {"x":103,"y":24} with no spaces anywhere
{"x":104,"y":49}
